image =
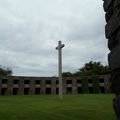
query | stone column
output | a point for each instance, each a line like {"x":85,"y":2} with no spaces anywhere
{"x":43,"y":87}
{"x":64,"y":85}
{"x":10,"y":86}
{"x":53,"y":86}
{"x":112,"y":30}
{"x":107,"y":83}
{"x":32,"y":87}
{"x":21,"y":86}
{"x":74,"y":86}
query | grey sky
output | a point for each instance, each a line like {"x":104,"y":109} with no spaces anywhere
{"x":30,"y":29}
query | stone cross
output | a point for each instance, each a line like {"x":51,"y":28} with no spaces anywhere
{"x":59,"y":48}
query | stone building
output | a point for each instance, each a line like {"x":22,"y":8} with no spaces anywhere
{"x":18,"y":85}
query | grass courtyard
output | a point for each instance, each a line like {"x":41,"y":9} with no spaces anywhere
{"x":45,"y":107}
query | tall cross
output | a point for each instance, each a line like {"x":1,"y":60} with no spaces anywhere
{"x":59,"y":48}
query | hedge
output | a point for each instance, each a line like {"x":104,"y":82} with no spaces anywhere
{"x":95,"y":82}
{"x":85,"y":85}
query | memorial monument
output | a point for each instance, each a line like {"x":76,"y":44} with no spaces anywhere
{"x":59,"y":48}
{"x":112,"y":31}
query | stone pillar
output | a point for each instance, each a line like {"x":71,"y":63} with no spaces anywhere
{"x":43,"y":86}
{"x":10,"y":86}
{"x":74,"y":86}
{"x":32,"y":87}
{"x":53,"y":86}
{"x":107,"y":83}
{"x":64,"y":86}
{"x":21,"y":86}
{"x":112,"y":30}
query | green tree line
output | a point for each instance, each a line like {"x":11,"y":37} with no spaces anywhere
{"x":89,"y":69}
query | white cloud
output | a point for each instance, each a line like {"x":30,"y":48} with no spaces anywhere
{"x":29,"y":31}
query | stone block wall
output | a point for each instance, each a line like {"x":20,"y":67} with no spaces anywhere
{"x":49,"y":85}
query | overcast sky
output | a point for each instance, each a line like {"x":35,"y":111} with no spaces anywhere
{"x":30,"y":30}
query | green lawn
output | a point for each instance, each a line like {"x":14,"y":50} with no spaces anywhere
{"x":73,"y":107}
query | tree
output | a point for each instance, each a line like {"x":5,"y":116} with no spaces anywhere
{"x":94,"y":68}
{"x":5,"y":72}
{"x":67,"y":74}
{"x":91,"y":68}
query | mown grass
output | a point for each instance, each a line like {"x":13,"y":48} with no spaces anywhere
{"x":72,"y":107}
